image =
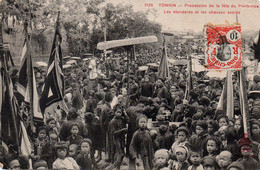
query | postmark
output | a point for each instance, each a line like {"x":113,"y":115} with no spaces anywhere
{"x":223,"y":47}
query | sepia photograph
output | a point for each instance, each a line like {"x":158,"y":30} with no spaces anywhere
{"x":130,"y":84}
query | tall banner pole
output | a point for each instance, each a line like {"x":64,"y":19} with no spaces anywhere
{"x":244,"y":102}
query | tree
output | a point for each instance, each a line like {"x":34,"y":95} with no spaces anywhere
{"x":123,"y":22}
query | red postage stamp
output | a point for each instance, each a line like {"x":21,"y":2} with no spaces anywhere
{"x":223,"y":47}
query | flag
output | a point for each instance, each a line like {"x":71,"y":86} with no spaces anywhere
{"x":226,"y":101}
{"x":9,"y":108}
{"x":256,"y":46}
{"x":163,"y":70}
{"x":244,"y":102}
{"x":53,"y":90}
{"x":26,"y":88}
{"x":26,"y":147}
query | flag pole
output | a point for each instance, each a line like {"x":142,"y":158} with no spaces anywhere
{"x":29,"y":70}
{"x":1,"y":55}
{"x":244,"y":103}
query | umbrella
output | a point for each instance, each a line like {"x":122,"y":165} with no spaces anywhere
{"x":171,"y":61}
{"x":88,"y":54}
{"x":71,"y":62}
{"x":180,"y":62}
{"x":153,"y":64}
{"x":85,"y":59}
{"x":67,"y":66}
{"x":66,"y":57}
{"x":219,"y":74}
{"x":143,"y":68}
{"x":109,"y":51}
{"x":41,"y":63}
{"x":75,"y":58}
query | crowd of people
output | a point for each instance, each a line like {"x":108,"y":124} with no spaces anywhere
{"x":130,"y":118}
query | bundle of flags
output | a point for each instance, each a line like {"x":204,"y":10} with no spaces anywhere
{"x":16,"y":126}
{"x":226,"y":101}
{"x":8,"y":105}
{"x":14,"y":137}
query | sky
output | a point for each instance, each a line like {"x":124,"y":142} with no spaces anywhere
{"x":249,"y":18}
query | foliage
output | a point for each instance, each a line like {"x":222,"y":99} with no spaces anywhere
{"x":83,"y":22}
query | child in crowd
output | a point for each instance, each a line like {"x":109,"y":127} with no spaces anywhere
{"x":213,"y":146}
{"x":222,"y":135}
{"x":142,"y":144}
{"x":170,"y":137}
{"x":161,"y":158}
{"x":222,"y":120}
{"x":255,"y":130}
{"x":182,"y":155}
{"x":63,"y":162}
{"x":41,"y":147}
{"x":195,"y":158}
{"x":209,"y":163}
{"x":198,"y":140}
{"x":246,"y":151}
{"x":52,"y":126}
{"x":40,"y":164}
{"x":232,"y":145}
{"x":53,"y":138}
{"x":85,"y":158}
{"x":118,"y":128}
{"x":161,"y":137}
{"x":239,"y":128}
{"x":154,"y":135}
{"x":224,"y":159}
{"x":73,"y":150}
{"x":13,"y":163}
{"x":236,"y":166}
{"x":74,"y":138}
{"x":182,"y":139}
{"x":212,"y":127}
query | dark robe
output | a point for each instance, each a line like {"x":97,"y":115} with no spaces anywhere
{"x":147,"y":89}
{"x":84,"y":161}
{"x":142,"y":144}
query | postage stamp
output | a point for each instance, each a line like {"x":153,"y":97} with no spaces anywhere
{"x":223,"y":47}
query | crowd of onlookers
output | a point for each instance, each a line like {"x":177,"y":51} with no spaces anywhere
{"x":153,"y":123}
